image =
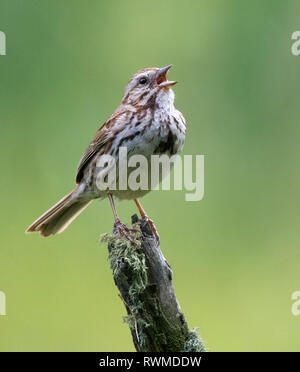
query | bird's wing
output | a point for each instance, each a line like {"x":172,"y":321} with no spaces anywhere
{"x":103,"y":136}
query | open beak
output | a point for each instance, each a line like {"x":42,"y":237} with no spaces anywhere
{"x":161,"y":77}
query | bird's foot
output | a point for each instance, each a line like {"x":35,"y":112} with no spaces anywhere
{"x":153,"y":228}
{"x":123,"y":230}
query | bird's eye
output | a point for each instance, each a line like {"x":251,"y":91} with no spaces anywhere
{"x":143,"y":80}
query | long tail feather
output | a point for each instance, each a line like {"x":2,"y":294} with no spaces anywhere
{"x":59,"y":217}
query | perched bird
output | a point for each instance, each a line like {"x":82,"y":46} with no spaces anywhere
{"x":146,"y":123}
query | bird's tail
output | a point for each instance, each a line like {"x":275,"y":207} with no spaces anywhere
{"x":59,"y":217}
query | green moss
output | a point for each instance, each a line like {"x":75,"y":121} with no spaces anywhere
{"x":145,"y":317}
{"x":137,"y":324}
{"x":122,"y":254}
{"x":128,"y":260}
{"x":194,"y":342}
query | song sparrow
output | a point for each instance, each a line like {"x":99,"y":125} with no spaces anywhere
{"x":146,"y":123}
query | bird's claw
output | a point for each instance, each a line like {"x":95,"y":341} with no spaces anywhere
{"x":123,"y":230}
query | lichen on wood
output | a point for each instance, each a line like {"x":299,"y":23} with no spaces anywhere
{"x":144,"y":279}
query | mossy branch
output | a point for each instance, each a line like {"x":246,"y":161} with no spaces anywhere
{"x":144,"y":279}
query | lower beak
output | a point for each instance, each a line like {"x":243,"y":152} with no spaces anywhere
{"x":161,"y":77}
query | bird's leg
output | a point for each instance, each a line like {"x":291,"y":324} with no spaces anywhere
{"x":147,"y":219}
{"x":119,"y":226}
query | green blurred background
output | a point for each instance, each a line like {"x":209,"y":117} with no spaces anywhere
{"x":235,"y":254}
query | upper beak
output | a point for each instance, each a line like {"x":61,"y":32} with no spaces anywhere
{"x":161,"y":77}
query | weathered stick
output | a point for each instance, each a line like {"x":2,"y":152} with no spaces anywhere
{"x":144,"y":279}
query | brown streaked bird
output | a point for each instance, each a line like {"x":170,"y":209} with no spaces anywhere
{"x":146,"y":123}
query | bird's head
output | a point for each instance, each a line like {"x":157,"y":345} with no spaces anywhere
{"x":149,"y":85}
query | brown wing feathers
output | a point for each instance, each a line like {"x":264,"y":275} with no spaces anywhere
{"x":101,"y":138}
